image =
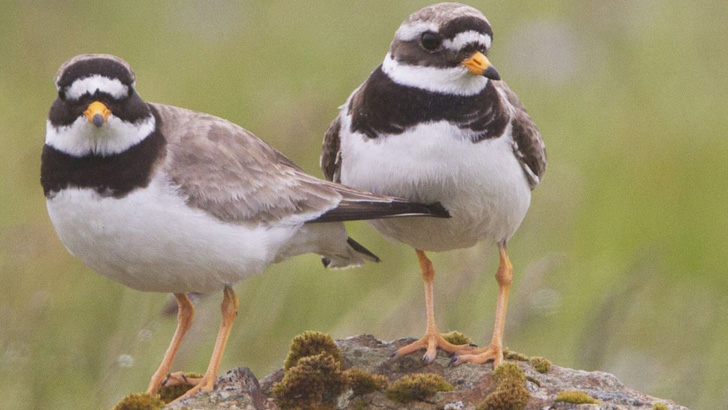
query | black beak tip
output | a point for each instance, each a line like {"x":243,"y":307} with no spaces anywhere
{"x":491,"y":73}
{"x":98,"y":120}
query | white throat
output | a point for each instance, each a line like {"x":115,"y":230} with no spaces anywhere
{"x":83,"y":138}
{"x":456,"y":80}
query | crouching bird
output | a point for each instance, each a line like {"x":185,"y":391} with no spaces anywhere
{"x":163,"y":199}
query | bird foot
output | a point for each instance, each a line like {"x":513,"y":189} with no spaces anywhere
{"x":178,"y":378}
{"x":431,"y":341}
{"x":204,"y":384}
{"x":480,"y":356}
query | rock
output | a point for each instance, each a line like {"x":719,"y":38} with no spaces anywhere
{"x":239,"y":389}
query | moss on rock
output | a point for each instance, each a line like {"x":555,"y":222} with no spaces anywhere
{"x":139,"y":401}
{"x":510,"y":392}
{"x":541,"y":364}
{"x":511,"y":355}
{"x":457,"y":338}
{"x":311,"y":343}
{"x":313,"y":383}
{"x":362,"y":382}
{"x":576,"y":397}
{"x":417,"y":387}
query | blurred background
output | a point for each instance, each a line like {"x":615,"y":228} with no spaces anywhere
{"x":620,"y":265}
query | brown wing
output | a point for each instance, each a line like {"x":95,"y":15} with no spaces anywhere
{"x":232,"y":174}
{"x":528,"y":143}
{"x":331,"y":152}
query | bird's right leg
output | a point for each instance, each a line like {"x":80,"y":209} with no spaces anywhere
{"x":432,"y":338}
{"x":185,"y":314}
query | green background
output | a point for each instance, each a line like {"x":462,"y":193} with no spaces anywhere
{"x":620,"y":265}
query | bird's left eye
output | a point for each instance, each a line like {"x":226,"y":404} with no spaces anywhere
{"x":431,"y":41}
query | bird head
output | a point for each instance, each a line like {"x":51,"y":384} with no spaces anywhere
{"x":443,"y":48}
{"x":98,"y":109}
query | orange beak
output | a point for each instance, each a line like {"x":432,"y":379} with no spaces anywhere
{"x":478,"y":64}
{"x":97,"y":113}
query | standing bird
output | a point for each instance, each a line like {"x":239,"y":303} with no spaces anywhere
{"x":163,"y":199}
{"x":434,"y":123}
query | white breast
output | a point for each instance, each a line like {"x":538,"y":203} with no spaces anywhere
{"x":151,"y":240}
{"x":481,"y":184}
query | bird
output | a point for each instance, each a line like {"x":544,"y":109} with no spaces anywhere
{"x":165,"y":199}
{"x":434,"y":122}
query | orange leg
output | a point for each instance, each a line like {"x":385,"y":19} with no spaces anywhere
{"x":229,"y":309}
{"x":494,"y":351}
{"x":185,"y":314}
{"x":432,"y":338}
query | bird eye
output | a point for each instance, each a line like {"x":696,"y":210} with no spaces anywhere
{"x":431,"y":41}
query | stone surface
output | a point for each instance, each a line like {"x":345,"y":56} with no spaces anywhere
{"x":239,"y":389}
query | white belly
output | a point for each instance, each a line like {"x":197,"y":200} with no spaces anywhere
{"x":151,"y":241}
{"x":482,"y":184}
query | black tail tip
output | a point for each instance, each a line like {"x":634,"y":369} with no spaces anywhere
{"x":361,"y":249}
{"x":438,"y":210}
{"x":325,"y":261}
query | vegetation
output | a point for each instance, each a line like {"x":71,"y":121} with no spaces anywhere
{"x":139,"y":401}
{"x":576,"y":397}
{"x":510,"y":392}
{"x":310,"y":343}
{"x":541,"y":364}
{"x":418,"y":386}
{"x":315,"y":382}
{"x":361,"y":382}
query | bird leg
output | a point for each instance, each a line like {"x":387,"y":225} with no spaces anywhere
{"x":494,"y":351}
{"x":432,"y":338}
{"x":229,"y":308}
{"x":185,"y":314}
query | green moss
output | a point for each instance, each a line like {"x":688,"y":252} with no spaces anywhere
{"x":509,"y":355}
{"x":168,"y":393}
{"x":541,"y":364}
{"x":510,"y":392}
{"x":313,"y":383}
{"x":457,"y":338}
{"x":139,"y":401}
{"x":576,"y":397}
{"x":660,"y":406}
{"x":362,"y":382}
{"x":311,"y":343}
{"x":417,"y":387}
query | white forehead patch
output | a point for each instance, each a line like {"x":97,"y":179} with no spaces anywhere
{"x":90,"y":85}
{"x":408,"y":32}
{"x":467,"y":37}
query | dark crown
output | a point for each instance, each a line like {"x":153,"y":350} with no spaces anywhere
{"x":87,"y":65}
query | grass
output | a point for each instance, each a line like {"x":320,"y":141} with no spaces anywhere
{"x":619,"y":265}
